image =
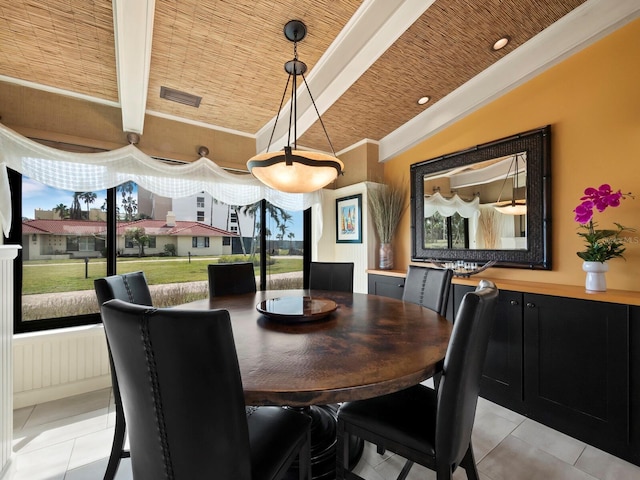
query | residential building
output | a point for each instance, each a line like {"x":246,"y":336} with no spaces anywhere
{"x":61,"y":239}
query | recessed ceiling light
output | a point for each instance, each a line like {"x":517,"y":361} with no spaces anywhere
{"x":423,"y":100}
{"x":501,"y":43}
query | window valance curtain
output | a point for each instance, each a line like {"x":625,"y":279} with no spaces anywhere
{"x":449,"y":206}
{"x":90,"y":172}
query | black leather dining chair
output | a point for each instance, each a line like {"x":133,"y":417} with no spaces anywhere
{"x":183,"y":400}
{"x":336,"y":276}
{"x":231,"y":278}
{"x":428,"y":287}
{"x":426,"y":426}
{"x":132,"y":288}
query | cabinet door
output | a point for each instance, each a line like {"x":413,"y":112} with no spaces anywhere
{"x":634,"y":373}
{"x":386,"y":286}
{"x":502,"y":375}
{"x":576,"y":368}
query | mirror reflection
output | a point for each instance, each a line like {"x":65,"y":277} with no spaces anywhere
{"x":477,"y":206}
{"x":488,"y":203}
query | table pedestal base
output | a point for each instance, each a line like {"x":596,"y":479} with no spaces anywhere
{"x":323,"y":443}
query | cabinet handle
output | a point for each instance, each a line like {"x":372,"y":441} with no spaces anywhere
{"x":401,"y":285}
{"x":513,"y":302}
{"x":531,"y":305}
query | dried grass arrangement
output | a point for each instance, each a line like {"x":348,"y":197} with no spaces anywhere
{"x":387,"y":204}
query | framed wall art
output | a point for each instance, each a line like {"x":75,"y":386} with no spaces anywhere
{"x":349,"y":219}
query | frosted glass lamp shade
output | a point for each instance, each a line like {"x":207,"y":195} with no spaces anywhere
{"x":295,"y":171}
{"x":519,"y":207}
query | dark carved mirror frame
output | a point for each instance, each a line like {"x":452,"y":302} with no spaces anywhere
{"x":537,"y":144}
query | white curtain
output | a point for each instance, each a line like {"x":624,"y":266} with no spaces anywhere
{"x":90,"y":172}
{"x":449,"y":206}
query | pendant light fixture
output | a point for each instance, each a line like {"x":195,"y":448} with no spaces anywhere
{"x":513,"y":206}
{"x":292,"y":170}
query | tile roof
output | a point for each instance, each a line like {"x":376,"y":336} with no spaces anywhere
{"x":151,"y":227}
{"x":64,"y":227}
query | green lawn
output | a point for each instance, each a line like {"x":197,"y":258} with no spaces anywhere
{"x":69,"y":275}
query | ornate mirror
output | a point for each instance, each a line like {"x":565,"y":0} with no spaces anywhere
{"x":487,"y":203}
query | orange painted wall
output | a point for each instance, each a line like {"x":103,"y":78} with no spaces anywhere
{"x":592,"y":102}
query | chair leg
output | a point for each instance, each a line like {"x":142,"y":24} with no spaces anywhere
{"x":342,"y":451}
{"x":304,"y":460}
{"x":405,"y":470}
{"x":117,"y":447}
{"x":444,"y":472}
{"x":469,"y":464}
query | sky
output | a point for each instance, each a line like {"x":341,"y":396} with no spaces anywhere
{"x":36,"y":195}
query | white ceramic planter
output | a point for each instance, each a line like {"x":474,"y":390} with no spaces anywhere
{"x":596,"y":280}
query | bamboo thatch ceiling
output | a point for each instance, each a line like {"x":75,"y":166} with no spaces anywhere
{"x":369,"y":60}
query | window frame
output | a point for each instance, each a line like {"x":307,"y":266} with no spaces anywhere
{"x":15,"y":238}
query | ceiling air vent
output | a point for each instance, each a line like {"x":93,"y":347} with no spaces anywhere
{"x":180,"y":97}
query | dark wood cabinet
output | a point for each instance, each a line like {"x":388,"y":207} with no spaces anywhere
{"x":576,"y":368}
{"x":386,"y":285}
{"x":634,"y":382}
{"x":571,"y":364}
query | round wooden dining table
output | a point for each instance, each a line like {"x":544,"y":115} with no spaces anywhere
{"x":367,"y":346}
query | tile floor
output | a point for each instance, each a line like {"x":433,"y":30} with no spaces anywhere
{"x":70,"y":439}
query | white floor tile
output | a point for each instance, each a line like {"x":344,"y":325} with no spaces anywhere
{"x":494,"y":408}
{"x":95,"y":470}
{"x":392,"y":467}
{"x":20,"y":417}
{"x":91,"y":448}
{"x":371,"y":456}
{"x":489,"y":429}
{"x":70,"y":428}
{"x":558,"y":444}
{"x":48,"y":463}
{"x":605,"y":466}
{"x":67,"y":407}
{"x":517,"y":459}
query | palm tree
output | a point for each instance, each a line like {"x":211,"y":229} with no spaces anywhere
{"x":291,"y":236}
{"x":88,"y":198}
{"x":62,"y":209}
{"x":75,"y":212}
{"x":129,"y":204}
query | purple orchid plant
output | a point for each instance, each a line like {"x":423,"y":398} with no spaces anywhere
{"x":601,"y":245}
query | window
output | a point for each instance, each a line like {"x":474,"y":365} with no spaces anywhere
{"x":86,"y":244}
{"x":200,"y":216}
{"x":233,"y":228}
{"x":54,"y":277}
{"x":200,"y":242}
{"x":446,"y":232}
{"x":65,"y":260}
{"x":200,"y":202}
{"x":72,"y":244}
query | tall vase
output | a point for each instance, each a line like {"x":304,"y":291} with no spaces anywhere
{"x":596,"y":280}
{"x":386,"y":256}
